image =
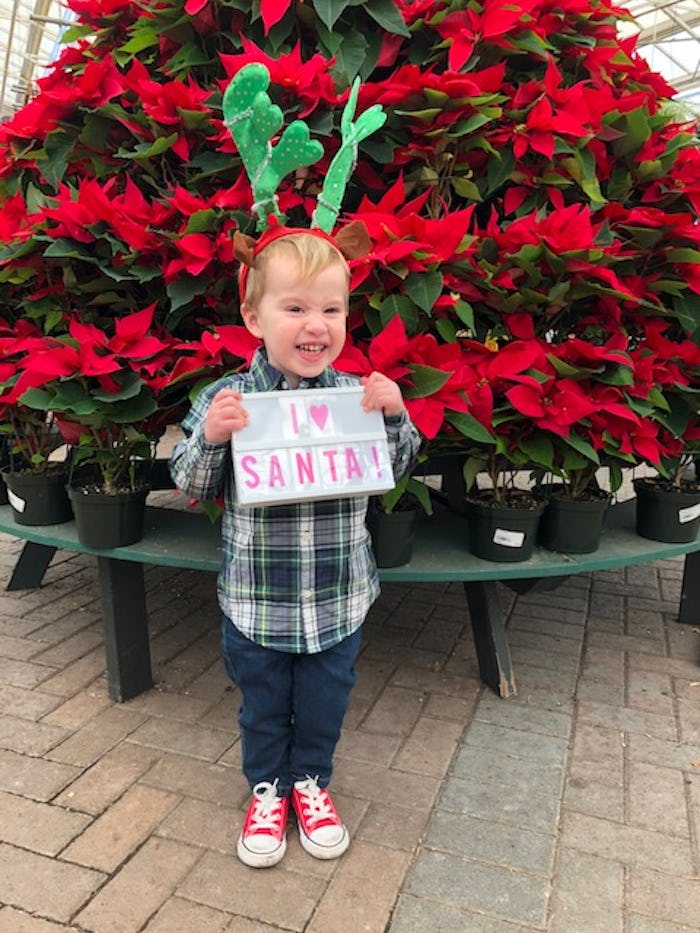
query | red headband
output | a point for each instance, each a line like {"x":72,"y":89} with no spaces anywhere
{"x":351,"y":242}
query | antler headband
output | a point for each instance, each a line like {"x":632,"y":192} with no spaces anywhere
{"x":253,"y":121}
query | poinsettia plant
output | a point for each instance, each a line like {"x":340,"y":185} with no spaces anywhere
{"x":532,"y":208}
{"x":103,"y":394}
{"x":670,"y":370}
{"x":30,"y":437}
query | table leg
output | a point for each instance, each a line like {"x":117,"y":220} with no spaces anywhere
{"x":32,"y":564}
{"x":490,"y":637}
{"x":125,"y":622}
{"x":689,"y":609}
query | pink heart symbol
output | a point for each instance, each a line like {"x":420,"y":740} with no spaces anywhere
{"x":319,"y":413}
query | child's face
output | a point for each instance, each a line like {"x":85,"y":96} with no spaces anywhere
{"x":302,"y":324}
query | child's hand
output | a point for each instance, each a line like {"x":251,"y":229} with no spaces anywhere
{"x":225,"y":415}
{"x":382,"y":394}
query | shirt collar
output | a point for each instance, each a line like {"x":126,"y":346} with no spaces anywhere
{"x":267,"y":378}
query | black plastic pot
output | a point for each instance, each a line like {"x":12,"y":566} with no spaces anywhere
{"x":108,"y":521}
{"x":392,"y":537}
{"x":666,"y":513}
{"x":503,"y":533}
{"x":572,"y":526}
{"x":38,"y":498}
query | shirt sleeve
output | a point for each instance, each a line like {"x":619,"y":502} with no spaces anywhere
{"x":199,"y":469}
{"x":404,"y":443}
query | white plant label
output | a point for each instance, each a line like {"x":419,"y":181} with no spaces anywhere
{"x":15,"y":501}
{"x":508,"y":538}
{"x":689,"y":514}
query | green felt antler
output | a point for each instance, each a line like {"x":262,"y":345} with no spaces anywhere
{"x":344,"y":162}
{"x":253,"y":120}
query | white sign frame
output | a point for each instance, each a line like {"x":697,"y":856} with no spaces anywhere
{"x":303,"y":444}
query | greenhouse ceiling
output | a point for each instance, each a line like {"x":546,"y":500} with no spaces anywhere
{"x":30,"y":30}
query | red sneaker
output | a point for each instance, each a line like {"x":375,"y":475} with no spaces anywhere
{"x":321,"y":831}
{"x":263,"y":839}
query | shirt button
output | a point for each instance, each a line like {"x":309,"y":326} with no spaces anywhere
{"x":307,"y":594}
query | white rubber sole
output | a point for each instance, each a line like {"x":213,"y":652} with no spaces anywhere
{"x":324,"y":852}
{"x":260,"y":859}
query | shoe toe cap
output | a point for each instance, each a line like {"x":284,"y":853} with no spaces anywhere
{"x":327,"y":835}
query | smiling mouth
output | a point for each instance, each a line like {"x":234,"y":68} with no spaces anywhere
{"x":311,"y":347}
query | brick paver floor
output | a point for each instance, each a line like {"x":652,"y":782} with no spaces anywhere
{"x":574,"y":806}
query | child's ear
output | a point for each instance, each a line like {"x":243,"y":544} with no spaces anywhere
{"x":250,"y":319}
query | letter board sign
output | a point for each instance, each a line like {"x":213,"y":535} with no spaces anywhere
{"x":310,"y":444}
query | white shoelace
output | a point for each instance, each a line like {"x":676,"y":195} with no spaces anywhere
{"x":266,"y":814}
{"x":315,"y":806}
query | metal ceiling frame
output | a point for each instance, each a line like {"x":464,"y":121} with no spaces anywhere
{"x":668,"y":37}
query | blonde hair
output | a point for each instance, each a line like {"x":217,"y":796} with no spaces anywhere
{"x":312,"y":253}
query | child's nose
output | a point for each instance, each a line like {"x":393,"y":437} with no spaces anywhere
{"x":316,"y":323}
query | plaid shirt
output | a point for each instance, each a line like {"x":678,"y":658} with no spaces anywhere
{"x":298,"y":577}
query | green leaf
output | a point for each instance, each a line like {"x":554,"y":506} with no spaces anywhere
{"x":330,"y":41}
{"x":470,"y":125}
{"x":467,"y":425}
{"x":617,"y":376}
{"x":350,"y":57}
{"x":466,"y":189}
{"x":426,"y":115}
{"x":657,"y":399}
{"x":330,"y":10}
{"x":385,"y":13}
{"x":183,"y":290}
{"x":465,"y":313}
{"x":583,"y":169}
{"x":687,"y":308}
{"x":531,"y":42}
{"x":637,"y":133}
{"x":38,"y":399}
{"x":583,"y":447}
{"x":425,"y":288}
{"x":680,"y":415}
{"x":668,"y":287}
{"x":75,"y":32}
{"x":130,"y":386}
{"x":148,"y":150}
{"x":143,"y":38}
{"x":63,"y":248}
{"x":447,"y":329}
{"x":201,"y":222}
{"x":211,"y":163}
{"x":539,"y":450}
{"x":58,"y":147}
{"x":426,"y":381}
{"x":499,"y":170}
{"x":404,"y":307}
{"x":135,"y":409}
{"x":471,"y":469}
{"x":649,"y":169}
{"x":189,"y":57}
{"x":380,"y":149}
{"x":683,"y":254}
{"x":421,"y":492}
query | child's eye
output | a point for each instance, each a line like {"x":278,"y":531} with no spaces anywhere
{"x":333,"y":310}
{"x":295,"y":309}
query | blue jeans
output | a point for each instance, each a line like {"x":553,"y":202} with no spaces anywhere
{"x":293,"y":707}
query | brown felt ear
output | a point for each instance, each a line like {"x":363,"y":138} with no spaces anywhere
{"x":353,"y":240}
{"x":243,"y":248}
